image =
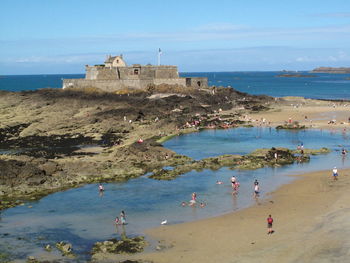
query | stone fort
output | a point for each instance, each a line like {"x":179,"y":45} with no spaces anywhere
{"x":115,"y":74}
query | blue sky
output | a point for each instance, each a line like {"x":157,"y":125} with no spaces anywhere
{"x":61,"y":36}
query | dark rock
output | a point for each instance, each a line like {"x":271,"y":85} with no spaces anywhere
{"x":125,"y":246}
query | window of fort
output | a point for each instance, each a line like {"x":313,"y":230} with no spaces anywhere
{"x":136,"y":71}
{"x":198,"y":83}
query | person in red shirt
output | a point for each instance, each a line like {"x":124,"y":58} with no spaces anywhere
{"x":269,"y":225}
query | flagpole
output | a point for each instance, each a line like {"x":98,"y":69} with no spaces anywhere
{"x":159,"y":53}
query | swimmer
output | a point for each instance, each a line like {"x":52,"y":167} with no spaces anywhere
{"x":219,"y":182}
{"x":101,"y":188}
{"x":183,"y":204}
{"x":117,"y":221}
{"x":202,"y":205}
{"x":343,"y":152}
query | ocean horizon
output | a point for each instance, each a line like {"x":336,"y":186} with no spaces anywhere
{"x":320,"y":86}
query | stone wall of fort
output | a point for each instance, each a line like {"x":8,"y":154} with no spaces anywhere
{"x":197,"y":82}
{"x":113,"y":85}
{"x":101,"y":73}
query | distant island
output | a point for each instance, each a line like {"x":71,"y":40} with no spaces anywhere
{"x":341,"y":70}
{"x":294,"y":76}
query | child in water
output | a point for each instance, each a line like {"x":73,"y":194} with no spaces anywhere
{"x":101,"y":188}
{"x":117,"y":221}
{"x":193,"y":199}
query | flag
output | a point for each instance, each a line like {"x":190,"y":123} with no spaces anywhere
{"x":160,"y":51}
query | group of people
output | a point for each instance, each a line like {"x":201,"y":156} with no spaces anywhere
{"x":193,"y":201}
{"x":235,"y":185}
{"x":121,"y":220}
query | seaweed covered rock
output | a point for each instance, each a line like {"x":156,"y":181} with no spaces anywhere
{"x":291,"y":126}
{"x":124,"y":246}
{"x":65,"y":248}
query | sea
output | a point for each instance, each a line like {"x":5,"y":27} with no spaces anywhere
{"x":320,"y":86}
{"x":82,"y":216}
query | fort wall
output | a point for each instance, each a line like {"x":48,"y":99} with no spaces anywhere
{"x":112,"y":85}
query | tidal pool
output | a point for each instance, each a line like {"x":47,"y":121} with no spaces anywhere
{"x":82,"y":216}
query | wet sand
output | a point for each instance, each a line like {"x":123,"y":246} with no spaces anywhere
{"x":318,"y":113}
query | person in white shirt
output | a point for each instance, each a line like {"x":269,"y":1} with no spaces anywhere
{"x":335,"y":173}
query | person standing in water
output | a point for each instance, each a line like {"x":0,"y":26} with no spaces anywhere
{"x":122,"y":218}
{"x":101,"y":188}
{"x":233,"y":181}
{"x":193,"y":200}
{"x":256,"y":190}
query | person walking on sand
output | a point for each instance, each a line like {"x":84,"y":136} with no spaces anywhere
{"x":269,"y":225}
{"x":335,"y":173}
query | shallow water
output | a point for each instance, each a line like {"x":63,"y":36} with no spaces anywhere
{"x":82,"y":216}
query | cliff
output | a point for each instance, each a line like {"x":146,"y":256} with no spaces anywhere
{"x":341,"y":70}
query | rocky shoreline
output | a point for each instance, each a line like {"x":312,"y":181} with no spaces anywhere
{"x":55,"y":139}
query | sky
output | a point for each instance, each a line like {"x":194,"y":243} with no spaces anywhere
{"x":62,"y":36}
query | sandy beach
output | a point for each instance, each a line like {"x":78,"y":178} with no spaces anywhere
{"x":310,"y":214}
{"x":310,"y":222}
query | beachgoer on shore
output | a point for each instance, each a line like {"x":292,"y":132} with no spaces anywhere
{"x":335,"y":173}
{"x":269,"y":225}
{"x":123,"y":218}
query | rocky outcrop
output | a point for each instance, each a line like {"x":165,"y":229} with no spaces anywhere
{"x":65,"y":248}
{"x":47,"y":137}
{"x":124,"y":246}
{"x":291,"y":126}
{"x":255,"y":160}
{"x":341,"y":70}
{"x":295,"y":76}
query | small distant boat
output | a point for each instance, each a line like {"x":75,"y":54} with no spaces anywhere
{"x":164,"y":222}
